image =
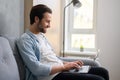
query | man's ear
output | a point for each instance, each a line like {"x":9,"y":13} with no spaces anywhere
{"x":37,"y":19}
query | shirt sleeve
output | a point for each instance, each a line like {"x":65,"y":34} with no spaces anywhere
{"x":27,"y":53}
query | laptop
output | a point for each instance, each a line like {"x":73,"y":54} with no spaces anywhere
{"x":83,"y":69}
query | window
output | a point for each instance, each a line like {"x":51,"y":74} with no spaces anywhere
{"x":80,"y":28}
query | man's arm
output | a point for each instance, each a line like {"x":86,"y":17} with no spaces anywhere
{"x":66,"y":66}
{"x":25,"y":47}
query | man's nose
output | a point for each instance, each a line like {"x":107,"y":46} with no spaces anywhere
{"x":48,"y":26}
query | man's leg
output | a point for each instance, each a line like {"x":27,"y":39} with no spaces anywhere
{"x":99,"y":71}
{"x":77,"y":76}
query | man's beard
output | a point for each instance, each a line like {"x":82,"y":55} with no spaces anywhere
{"x":41,"y":29}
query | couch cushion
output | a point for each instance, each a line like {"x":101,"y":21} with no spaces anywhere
{"x":8,"y":65}
{"x":21,"y":67}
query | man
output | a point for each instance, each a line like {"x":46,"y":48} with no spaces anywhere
{"x":39,"y":58}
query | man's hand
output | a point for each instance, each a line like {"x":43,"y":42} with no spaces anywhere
{"x":66,"y":66}
{"x":80,"y":63}
{"x":73,"y":65}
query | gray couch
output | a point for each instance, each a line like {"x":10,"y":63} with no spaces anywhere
{"x":11,"y":64}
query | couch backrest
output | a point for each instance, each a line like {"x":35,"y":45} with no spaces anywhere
{"x":8,"y":65}
{"x":21,"y":67}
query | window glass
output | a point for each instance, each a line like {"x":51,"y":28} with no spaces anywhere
{"x":85,"y":40}
{"x":83,"y":17}
{"x":81,"y":27}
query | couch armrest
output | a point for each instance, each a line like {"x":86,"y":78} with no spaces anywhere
{"x":86,"y":61}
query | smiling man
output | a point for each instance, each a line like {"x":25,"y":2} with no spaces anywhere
{"x":40,"y":60}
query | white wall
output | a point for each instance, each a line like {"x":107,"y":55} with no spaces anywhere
{"x":108,"y":26}
{"x":11,"y":17}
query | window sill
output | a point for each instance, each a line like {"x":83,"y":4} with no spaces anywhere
{"x":81,"y":54}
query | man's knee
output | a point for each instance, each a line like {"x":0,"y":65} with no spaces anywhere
{"x":98,"y":78}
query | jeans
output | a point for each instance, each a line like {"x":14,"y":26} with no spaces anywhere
{"x":95,"y":73}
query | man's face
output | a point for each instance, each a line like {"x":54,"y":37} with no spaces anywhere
{"x":45,"y":22}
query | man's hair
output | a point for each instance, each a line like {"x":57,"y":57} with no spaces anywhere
{"x":38,"y":11}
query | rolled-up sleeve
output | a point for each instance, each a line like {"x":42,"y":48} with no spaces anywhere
{"x":27,"y":52}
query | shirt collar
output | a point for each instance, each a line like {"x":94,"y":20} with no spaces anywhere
{"x":32,"y":35}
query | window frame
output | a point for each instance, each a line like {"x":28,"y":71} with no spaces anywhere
{"x":69,"y":29}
